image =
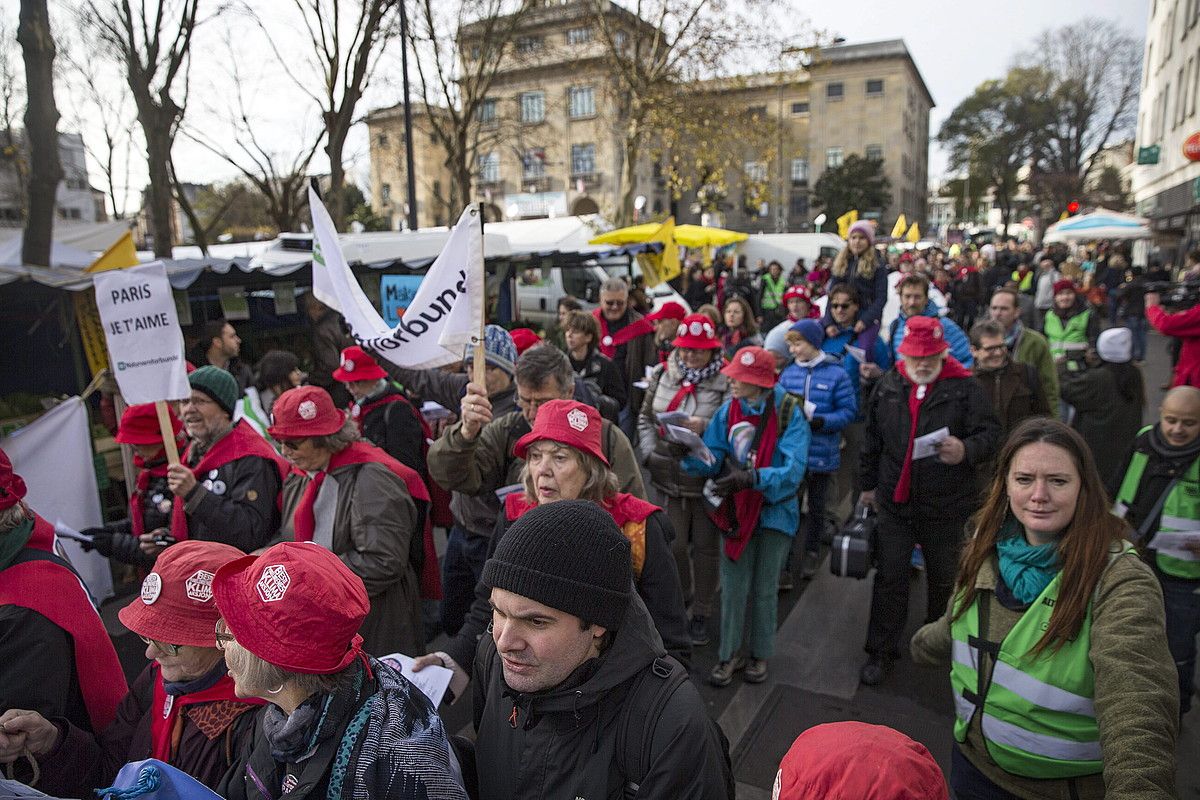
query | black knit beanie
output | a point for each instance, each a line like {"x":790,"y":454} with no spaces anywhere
{"x":569,"y":555}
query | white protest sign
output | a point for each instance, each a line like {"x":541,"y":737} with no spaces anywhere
{"x":137,"y":309}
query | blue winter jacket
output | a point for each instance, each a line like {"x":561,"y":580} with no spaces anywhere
{"x":828,"y":386}
{"x":836,"y":346}
{"x":960,"y":345}
{"x":778,"y":482}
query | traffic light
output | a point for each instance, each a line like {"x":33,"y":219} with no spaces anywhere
{"x":1073,"y":207}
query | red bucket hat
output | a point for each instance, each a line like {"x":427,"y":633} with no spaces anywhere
{"x":800,"y":292}
{"x":923,"y":336}
{"x":752,"y":365}
{"x":669,"y":310}
{"x":1063,"y":285}
{"x":357,"y":366}
{"x":139,"y":425}
{"x":297,"y":606}
{"x":696,"y":332}
{"x":176,"y":605}
{"x":305,"y":411}
{"x":524,"y":339}
{"x":567,"y":422}
{"x":12,"y":488}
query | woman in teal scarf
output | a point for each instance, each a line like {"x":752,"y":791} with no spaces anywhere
{"x":1062,"y":680}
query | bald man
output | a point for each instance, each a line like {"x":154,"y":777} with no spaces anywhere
{"x":1160,"y":499}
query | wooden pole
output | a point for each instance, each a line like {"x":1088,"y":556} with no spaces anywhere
{"x":168,"y":435}
{"x":479,"y":375}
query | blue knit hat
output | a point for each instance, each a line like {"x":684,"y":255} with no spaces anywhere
{"x":498,"y":349}
{"x":811,"y":330}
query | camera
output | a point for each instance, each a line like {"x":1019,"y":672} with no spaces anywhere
{"x":1184,"y":294}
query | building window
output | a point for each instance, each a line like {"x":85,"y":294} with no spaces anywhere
{"x":533,"y":163}
{"x":800,"y":171}
{"x":833,"y":158}
{"x":533,"y":106}
{"x":581,"y":101}
{"x":757,"y":112}
{"x":619,"y":40}
{"x":755,"y":171}
{"x":834,"y":91}
{"x":873,"y":152}
{"x":476,"y":51}
{"x":486,"y":112}
{"x":382,"y":140}
{"x":529,"y":44}
{"x":799,"y":108}
{"x":489,"y":167}
{"x":579,"y":35}
{"x":798,"y":207}
{"x":874,"y":87}
{"x":583,"y":159}
{"x":385,"y":193}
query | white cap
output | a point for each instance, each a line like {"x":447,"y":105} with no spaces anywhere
{"x":1115,"y":345}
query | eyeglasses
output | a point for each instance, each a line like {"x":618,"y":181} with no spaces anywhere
{"x":222,"y":635}
{"x":615,"y":303}
{"x":170,"y":649}
{"x":840,"y":305}
{"x":292,"y":444}
{"x":995,"y":348}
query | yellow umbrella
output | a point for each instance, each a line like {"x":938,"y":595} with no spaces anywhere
{"x":686,"y":235}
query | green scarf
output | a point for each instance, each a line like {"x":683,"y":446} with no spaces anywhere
{"x":1027,"y":569}
{"x":14,"y":541}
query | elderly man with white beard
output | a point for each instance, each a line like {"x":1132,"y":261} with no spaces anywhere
{"x":929,"y":427}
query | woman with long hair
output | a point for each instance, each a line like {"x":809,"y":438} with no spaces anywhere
{"x":1063,"y":684}
{"x":860,"y":266}
{"x":739,"y":328}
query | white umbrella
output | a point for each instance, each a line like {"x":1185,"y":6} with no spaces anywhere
{"x":1098,"y":224}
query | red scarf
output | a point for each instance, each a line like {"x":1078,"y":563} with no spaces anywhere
{"x":56,"y":593}
{"x":304,"y":521}
{"x":747,"y":504}
{"x":623,"y":508}
{"x":240,"y":442}
{"x":165,"y":720}
{"x":951,"y":369}
{"x":137,"y":500}
{"x":608,"y":344}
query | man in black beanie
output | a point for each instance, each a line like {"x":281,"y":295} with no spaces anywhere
{"x":566,"y":685}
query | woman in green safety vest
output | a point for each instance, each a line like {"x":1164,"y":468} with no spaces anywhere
{"x":1071,"y":325}
{"x":774,"y":283}
{"x":1063,"y":684}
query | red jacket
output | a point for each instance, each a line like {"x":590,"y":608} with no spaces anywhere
{"x":1184,"y":325}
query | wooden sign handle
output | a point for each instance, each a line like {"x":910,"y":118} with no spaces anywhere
{"x":168,"y":435}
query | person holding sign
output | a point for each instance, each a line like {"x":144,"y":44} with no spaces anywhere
{"x":1158,"y":495}
{"x":227,"y":487}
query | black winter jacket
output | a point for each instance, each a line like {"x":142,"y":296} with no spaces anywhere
{"x":244,"y":513}
{"x":562,"y":742}
{"x":395,"y":429}
{"x":939,"y":491}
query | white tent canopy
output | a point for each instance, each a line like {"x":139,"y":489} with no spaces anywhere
{"x":1098,"y":224}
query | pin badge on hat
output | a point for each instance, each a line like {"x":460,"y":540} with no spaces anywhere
{"x":696,"y":328}
{"x":348,"y":364}
{"x":273,"y":583}
{"x":151,"y":588}
{"x":199,"y":586}
{"x":307,"y":410}
{"x":683,"y":329}
{"x":937,"y":333}
{"x":747,"y":359}
{"x":577,"y":420}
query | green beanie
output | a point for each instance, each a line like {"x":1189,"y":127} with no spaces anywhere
{"x":217,"y":384}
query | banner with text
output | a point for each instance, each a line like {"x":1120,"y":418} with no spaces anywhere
{"x":443,"y":316}
{"x":137,"y":308}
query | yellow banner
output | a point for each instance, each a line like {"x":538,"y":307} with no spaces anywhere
{"x":914,"y":234}
{"x":900,"y":227}
{"x":845,"y":221}
{"x":121,"y":254}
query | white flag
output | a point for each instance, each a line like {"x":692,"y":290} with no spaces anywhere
{"x":445,"y":314}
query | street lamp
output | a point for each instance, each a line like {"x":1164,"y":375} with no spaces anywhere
{"x":639,"y":203}
{"x":819,"y":221}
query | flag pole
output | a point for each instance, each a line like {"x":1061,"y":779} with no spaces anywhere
{"x":479,"y":376}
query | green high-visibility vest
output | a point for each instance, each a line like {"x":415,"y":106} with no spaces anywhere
{"x":1023,"y":284}
{"x":1037,"y":713}
{"x":1069,"y":337}
{"x":1180,"y":512}
{"x":774,"y":287}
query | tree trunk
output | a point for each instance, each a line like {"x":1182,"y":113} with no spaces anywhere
{"x":335,"y":199}
{"x":41,"y":130}
{"x":628,"y":178}
{"x":158,"y":161}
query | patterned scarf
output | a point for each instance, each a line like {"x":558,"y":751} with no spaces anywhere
{"x":692,"y":378}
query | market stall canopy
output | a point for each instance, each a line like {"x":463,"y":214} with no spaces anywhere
{"x":1098,"y":224}
{"x":62,"y":256}
{"x":95,"y":237}
{"x":686,"y":235}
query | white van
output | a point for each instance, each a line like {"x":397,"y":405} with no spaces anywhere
{"x":539,"y":289}
{"x":787,"y":247}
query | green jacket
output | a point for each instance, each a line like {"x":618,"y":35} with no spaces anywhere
{"x":1136,"y":694}
{"x":1032,"y":348}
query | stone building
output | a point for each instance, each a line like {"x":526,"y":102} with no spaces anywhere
{"x":75,"y":199}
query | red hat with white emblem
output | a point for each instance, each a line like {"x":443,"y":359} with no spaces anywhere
{"x":139,"y":425}
{"x":357,"y":366}
{"x":799,"y":292}
{"x":923,"y":337}
{"x":567,"y":422}
{"x":176,"y":604}
{"x":696,"y":332}
{"x":305,"y":411}
{"x":297,"y":606}
{"x":668,"y":310}
{"x":752,"y":365}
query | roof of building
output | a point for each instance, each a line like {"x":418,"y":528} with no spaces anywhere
{"x":864,"y":51}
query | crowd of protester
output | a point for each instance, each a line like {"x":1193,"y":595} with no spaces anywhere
{"x":623,"y":487}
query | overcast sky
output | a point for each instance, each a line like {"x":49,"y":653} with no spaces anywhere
{"x":956,"y":45}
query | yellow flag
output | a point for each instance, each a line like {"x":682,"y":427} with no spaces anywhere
{"x":900,"y":226}
{"x":659,"y":267}
{"x":1063,"y":216}
{"x":845,"y":221}
{"x":121,"y":254}
{"x":914,"y":234}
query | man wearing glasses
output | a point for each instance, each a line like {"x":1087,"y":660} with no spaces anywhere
{"x":227,"y":487}
{"x":627,"y":338}
{"x":1015,"y":389}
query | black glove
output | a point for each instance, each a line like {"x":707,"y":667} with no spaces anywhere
{"x":816,"y":423}
{"x":101,"y":541}
{"x":734,"y":482}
